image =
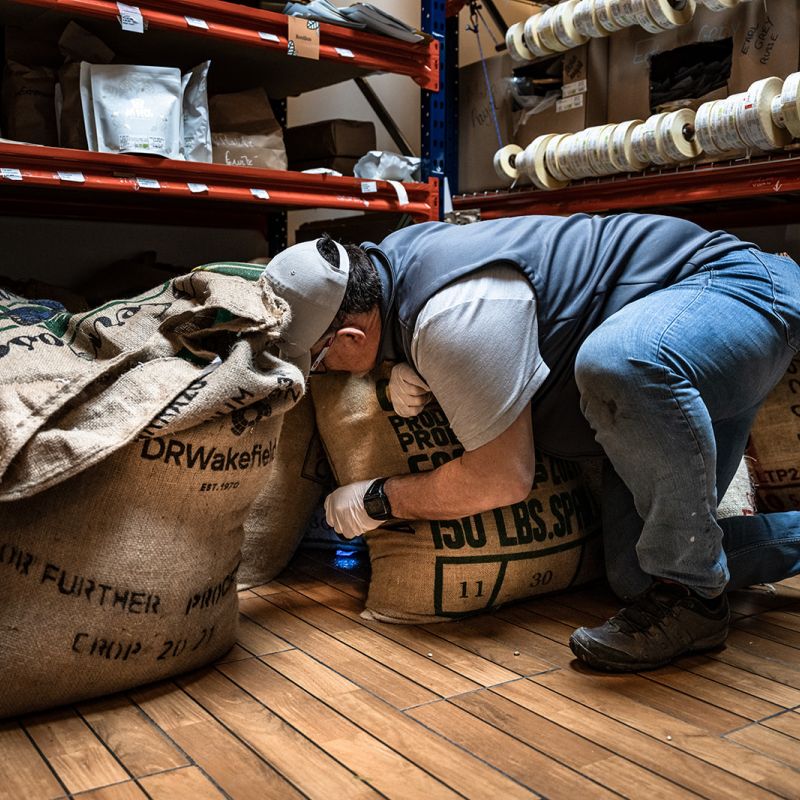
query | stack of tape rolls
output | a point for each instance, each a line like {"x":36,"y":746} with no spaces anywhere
{"x":765,"y":117}
{"x":515,"y":42}
{"x":571,"y":23}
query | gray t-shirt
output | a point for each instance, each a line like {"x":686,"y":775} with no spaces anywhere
{"x":476,"y":344}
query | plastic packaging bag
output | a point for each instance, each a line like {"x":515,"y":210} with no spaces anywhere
{"x":196,"y":135}
{"x":136,"y":109}
{"x":385,"y":165}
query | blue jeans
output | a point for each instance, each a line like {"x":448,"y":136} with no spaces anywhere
{"x":671,"y":384}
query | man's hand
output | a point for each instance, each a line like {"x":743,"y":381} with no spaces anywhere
{"x":408,"y":391}
{"x":345,"y":512}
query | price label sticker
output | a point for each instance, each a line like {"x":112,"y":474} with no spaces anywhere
{"x":130,"y":18}
{"x":367,"y":187}
{"x":71,"y":177}
{"x":148,"y":183}
{"x":261,"y":194}
{"x":194,"y":22}
{"x":10,"y":174}
{"x":344,"y":52}
{"x":269,"y":37}
{"x":197,"y":188}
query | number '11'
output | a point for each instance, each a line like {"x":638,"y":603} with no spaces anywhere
{"x":479,"y":593}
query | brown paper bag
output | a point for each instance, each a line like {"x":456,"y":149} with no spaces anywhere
{"x":244,"y":131}
{"x":29,"y":104}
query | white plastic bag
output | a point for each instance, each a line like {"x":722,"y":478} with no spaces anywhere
{"x":384,"y":165}
{"x":137,"y":109}
{"x":196,"y":137}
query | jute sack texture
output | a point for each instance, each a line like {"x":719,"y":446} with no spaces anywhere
{"x":281,"y":513}
{"x":150,"y":425}
{"x":775,"y":445}
{"x":436,"y":571}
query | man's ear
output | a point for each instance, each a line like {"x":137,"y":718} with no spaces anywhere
{"x":351,"y":336}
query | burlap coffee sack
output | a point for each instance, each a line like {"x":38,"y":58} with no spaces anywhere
{"x":126,"y":572}
{"x":74,"y":387}
{"x":281,"y":513}
{"x":775,"y":445}
{"x":431,"y":571}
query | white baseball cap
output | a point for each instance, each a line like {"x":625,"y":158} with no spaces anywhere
{"x":314,"y":289}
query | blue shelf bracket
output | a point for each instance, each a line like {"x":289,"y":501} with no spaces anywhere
{"x":439,"y":113}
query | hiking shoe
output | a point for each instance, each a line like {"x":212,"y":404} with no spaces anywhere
{"x":665,"y":622}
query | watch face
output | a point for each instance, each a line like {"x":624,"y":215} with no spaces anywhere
{"x":376,"y":503}
{"x":374,"y":506}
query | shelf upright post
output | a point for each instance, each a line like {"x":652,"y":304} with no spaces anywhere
{"x":277,"y":221}
{"x":439,"y":111}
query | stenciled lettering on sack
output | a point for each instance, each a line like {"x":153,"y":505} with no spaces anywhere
{"x":104,"y":595}
{"x":522,"y":523}
{"x":105,"y":647}
{"x":210,"y":596}
{"x":15,"y":557}
{"x":174,"y":409}
{"x":29,"y":343}
{"x":189,"y":455}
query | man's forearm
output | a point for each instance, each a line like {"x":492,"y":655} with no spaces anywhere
{"x":498,"y":474}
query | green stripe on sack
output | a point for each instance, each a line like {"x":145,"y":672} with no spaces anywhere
{"x":250,"y":272}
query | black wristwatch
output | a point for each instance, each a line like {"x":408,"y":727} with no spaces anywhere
{"x":376,"y":503}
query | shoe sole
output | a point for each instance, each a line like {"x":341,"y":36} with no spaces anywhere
{"x":587,"y":657}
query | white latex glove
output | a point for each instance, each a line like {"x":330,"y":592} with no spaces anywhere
{"x":345,"y":512}
{"x":408,"y":391}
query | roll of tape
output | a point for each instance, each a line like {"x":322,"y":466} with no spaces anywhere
{"x":622,"y":155}
{"x":587,"y":161}
{"x":676,"y":133}
{"x":653,"y":144}
{"x":536,"y":165}
{"x":551,"y":157}
{"x":668,"y":17}
{"x":639,"y":146}
{"x":643,"y":17}
{"x":704,"y":131}
{"x":723,"y":125}
{"x":599,"y":149}
{"x":754,"y":116}
{"x":515,"y":42}
{"x":570,"y":158}
{"x":603,"y":10}
{"x":531,"y":38}
{"x":585,"y":19}
{"x":505,"y":162}
{"x":546,"y":31}
{"x":622,"y":13}
{"x":790,"y":104}
{"x":564,"y":25}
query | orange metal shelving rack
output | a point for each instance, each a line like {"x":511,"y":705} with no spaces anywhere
{"x":149,"y":182}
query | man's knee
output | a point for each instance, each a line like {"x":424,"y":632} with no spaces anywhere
{"x":602,"y":363}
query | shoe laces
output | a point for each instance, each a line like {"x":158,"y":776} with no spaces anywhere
{"x":647,"y":611}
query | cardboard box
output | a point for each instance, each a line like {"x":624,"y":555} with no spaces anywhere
{"x":583,"y":73}
{"x":762,"y":43}
{"x":477,"y":135}
{"x":584,"y":96}
{"x":329,"y":139}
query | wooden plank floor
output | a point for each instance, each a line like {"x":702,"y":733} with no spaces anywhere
{"x":314,"y":702}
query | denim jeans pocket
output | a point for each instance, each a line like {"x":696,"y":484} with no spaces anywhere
{"x":785,"y":276}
